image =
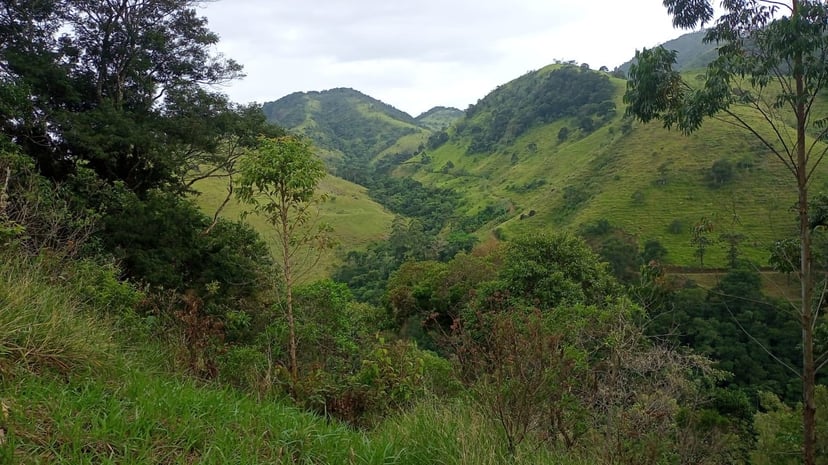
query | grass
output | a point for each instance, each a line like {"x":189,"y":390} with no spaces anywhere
{"x":618,"y":178}
{"x":111,"y":398}
{"x":356,"y":219}
{"x":43,"y":325}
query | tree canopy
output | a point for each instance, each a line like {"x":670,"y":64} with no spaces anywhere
{"x":120,"y":86}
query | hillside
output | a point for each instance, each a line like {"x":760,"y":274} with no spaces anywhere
{"x":356,"y":219}
{"x":692,"y":52}
{"x":351,"y":128}
{"x":439,"y":118}
{"x":90,"y":379}
{"x":584,"y":164}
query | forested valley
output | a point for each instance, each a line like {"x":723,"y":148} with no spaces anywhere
{"x":546,"y":277}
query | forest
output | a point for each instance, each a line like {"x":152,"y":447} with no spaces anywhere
{"x":140,"y":324}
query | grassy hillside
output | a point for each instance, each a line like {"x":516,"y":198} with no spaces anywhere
{"x":692,"y":51}
{"x":87,"y":380}
{"x":355,"y":218}
{"x":652,"y":183}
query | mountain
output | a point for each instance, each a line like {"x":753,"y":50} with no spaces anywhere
{"x":552,"y":150}
{"x":692,"y":52}
{"x":542,"y":153}
{"x":349,"y":127}
{"x":439,"y":118}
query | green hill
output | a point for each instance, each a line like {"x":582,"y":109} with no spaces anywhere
{"x":552,"y":149}
{"x":351,"y":128}
{"x":356,"y":219}
{"x":692,"y":52}
{"x":439,"y":118}
{"x":580,"y":163}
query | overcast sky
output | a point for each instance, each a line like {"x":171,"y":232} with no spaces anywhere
{"x":417,"y":54}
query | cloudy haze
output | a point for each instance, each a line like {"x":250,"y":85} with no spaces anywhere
{"x":415,"y":55}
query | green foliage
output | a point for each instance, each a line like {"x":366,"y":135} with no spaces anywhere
{"x":700,"y":238}
{"x":433,"y":294}
{"x":535,"y":98}
{"x":487,"y":214}
{"x":622,"y":256}
{"x":405,"y":196}
{"x":160,"y":240}
{"x":75,"y":99}
{"x":329,"y":324}
{"x":394,"y":375}
{"x":574,"y":375}
{"x":748,"y":333}
{"x":653,"y":251}
{"x":550,"y":270}
{"x":676,"y":227}
{"x":720,"y":173}
{"x":779,"y":430}
{"x":347,"y":123}
{"x":47,"y":323}
{"x":692,"y":52}
{"x":439,"y":118}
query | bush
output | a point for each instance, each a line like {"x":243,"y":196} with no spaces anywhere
{"x":720,"y":173}
{"x":392,"y":376}
{"x":637,"y":198}
{"x":676,"y":227}
{"x":244,"y":367}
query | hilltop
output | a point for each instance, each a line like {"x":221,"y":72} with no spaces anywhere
{"x":692,"y":52}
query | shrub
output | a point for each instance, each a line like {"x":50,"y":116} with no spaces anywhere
{"x":676,"y":227}
{"x":720,"y":173}
{"x":637,"y":198}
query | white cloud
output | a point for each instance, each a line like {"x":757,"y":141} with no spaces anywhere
{"x":419,"y":54}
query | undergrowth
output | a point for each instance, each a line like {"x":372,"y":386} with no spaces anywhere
{"x":86,"y":381}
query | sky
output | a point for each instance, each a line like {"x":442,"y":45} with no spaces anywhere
{"x":418,"y":54}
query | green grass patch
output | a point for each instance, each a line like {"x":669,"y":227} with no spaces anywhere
{"x":43,"y":325}
{"x":356,"y":219}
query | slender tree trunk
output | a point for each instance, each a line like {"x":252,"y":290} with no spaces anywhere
{"x":287,"y":270}
{"x":807,"y":321}
{"x":805,"y":273}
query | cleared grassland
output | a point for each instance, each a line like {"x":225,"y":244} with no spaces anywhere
{"x":355,"y":218}
{"x":650,"y":182}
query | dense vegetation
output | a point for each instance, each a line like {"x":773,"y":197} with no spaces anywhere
{"x":439,"y":118}
{"x":538,"y":98}
{"x":136,"y":328}
{"x":692,"y":52}
{"x":350,"y":125}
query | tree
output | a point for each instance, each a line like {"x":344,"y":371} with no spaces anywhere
{"x":771,"y":64}
{"x":115,"y":85}
{"x":279,"y":181}
{"x":700,"y":239}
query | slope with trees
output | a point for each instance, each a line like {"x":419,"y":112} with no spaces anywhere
{"x":352,"y":127}
{"x":765,"y":81}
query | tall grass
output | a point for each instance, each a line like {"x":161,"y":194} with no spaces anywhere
{"x":456,"y":432}
{"x":43,"y":324}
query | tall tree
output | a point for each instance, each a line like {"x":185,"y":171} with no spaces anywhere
{"x":279,"y":182}
{"x":771,"y":64}
{"x":103,"y":82}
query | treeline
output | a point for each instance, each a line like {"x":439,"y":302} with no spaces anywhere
{"x":538,"y":98}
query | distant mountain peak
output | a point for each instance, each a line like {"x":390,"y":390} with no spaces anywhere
{"x":439,"y":118}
